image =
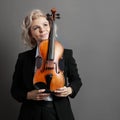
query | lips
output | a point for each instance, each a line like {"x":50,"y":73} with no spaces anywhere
{"x":44,"y":35}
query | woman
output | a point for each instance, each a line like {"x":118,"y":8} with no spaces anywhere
{"x":36,"y":103}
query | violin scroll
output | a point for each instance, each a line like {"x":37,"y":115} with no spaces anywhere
{"x":53,"y":15}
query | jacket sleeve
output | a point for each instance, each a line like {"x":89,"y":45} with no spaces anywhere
{"x":74,"y":79}
{"x":18,"y":91}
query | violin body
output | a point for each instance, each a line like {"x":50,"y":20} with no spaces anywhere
{"x":49,"y":76}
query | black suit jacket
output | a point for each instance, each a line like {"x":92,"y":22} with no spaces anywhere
{"x":23,"y":82}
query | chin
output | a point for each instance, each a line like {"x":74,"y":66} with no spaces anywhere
{"x":44,"y":39}
{"x":40,"y":40}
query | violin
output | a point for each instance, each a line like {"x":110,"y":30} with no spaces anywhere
{"x":49,"y":76}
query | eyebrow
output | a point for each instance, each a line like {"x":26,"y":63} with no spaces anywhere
{"x":35,"y":26}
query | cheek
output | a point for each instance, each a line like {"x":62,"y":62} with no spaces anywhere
{"x":34,"y":34}
{"x":48,"y":29}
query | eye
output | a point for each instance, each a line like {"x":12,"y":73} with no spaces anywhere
{"x":46,"y":24}
{"x":35,"y":27}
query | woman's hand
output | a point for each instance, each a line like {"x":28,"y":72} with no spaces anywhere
{"x":37,"y":94}
{"x":63,"y":91}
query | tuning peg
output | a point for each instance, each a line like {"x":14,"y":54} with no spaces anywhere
{"x":58,"y":16}
{"x":48,"y":16}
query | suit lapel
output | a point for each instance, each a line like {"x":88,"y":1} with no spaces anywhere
{"x":33,"y":59}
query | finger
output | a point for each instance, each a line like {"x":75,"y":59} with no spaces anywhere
{"x":39,"y":98}
{"x":61,"y":90}
{"x":41,"y":90}
{"x":62,"y":94}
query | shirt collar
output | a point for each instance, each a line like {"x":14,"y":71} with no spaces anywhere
{"x":37,"y":53}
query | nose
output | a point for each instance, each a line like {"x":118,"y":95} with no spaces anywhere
{"x":41,"y":29}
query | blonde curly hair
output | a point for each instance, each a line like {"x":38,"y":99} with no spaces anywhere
{"x":26,"y":34}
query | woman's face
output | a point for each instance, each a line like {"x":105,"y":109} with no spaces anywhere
{"x":40,"y":29}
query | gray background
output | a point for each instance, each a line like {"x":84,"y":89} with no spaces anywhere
{"x":92,"y":29}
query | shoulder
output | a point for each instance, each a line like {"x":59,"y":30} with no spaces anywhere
{"x":68,"y":52}
{"x":27,"y":53}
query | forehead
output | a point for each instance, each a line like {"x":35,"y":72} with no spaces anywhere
{"x":39,"y":20}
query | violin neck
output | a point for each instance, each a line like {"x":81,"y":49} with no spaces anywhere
{"x":51,"y":45}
